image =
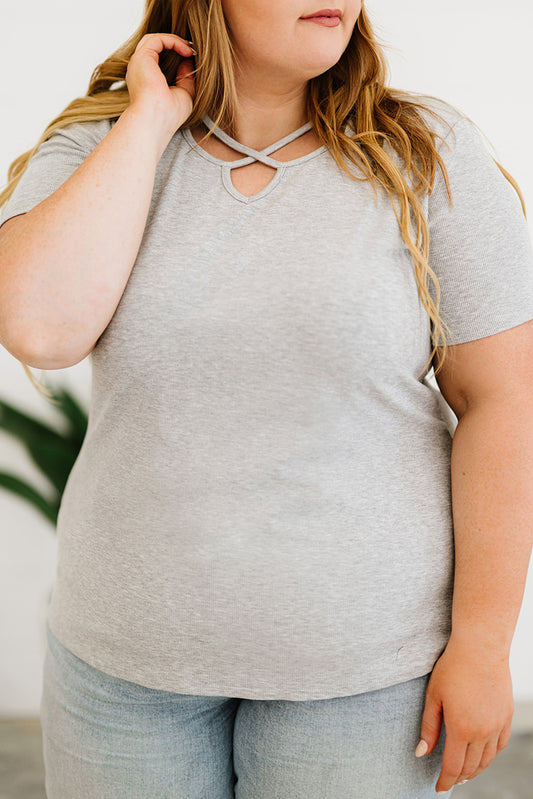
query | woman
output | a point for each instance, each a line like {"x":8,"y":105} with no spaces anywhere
{"x":260,"y":592}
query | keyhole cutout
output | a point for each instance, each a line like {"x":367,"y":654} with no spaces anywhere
{"x":249,"y":180}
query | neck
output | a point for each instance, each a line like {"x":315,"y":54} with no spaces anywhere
{"x":263,"y":117}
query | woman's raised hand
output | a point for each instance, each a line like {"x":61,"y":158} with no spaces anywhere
{"x":147,"y":85}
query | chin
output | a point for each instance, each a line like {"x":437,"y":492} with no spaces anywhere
{"x":320,"y":68}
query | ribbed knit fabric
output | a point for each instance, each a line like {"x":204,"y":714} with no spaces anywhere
{"x":261,"y":507}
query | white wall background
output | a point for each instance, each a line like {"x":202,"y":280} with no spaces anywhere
{"x":477,"y":56}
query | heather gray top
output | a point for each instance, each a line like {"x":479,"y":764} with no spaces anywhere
{"x":261,"y":507}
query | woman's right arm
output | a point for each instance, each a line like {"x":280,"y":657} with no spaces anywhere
{"x":64,"y":264}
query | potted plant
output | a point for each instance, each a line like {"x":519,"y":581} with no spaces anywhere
{"x":52,"y":449}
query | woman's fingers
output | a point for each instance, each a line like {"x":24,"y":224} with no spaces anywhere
{"x":487,"y":756}
{"x":505,"y":735}
{"x":464,"y":760}
{"x":453,"y":759}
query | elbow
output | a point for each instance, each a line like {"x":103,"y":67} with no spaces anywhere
{"x":40,"y":352}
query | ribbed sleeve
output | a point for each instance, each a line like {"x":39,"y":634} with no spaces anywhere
{"x":481,"y":248}
{"x":53,"y":163}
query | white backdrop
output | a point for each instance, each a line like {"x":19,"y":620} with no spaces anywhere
{"x":478,"y":57}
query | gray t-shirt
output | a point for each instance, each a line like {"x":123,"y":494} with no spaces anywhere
{"x":261,"y":507}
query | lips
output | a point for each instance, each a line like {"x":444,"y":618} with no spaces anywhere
{"x":325,"y":12}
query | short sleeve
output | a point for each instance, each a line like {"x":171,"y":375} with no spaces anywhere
{"x":480,"y":250}
{"x":55,"y":161}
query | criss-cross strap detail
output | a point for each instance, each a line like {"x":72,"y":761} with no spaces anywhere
{"x":254,"y":155}
{"x":251,"y":155}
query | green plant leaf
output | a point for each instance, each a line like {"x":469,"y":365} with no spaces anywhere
{"x":76,"y":416}
{"x":51,"y":451}
{"x":49,"y":508}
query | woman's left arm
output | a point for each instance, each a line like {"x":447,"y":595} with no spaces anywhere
{"x":490,"y":388}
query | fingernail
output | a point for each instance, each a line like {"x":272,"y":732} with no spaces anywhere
{"x":192,"y":48}
{"x":462,"y":782}
{"x":421,"y":749}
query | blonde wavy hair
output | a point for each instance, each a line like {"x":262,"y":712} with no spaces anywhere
{"x":352,"y":91}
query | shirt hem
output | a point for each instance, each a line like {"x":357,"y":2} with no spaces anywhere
{"x":348,"y":684}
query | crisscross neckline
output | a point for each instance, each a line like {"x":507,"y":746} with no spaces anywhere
{"x":250,"y":155}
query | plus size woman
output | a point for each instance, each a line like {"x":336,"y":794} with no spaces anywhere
{"x":281,"y":572}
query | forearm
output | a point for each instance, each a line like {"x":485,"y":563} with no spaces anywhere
{"x":492,"y":505}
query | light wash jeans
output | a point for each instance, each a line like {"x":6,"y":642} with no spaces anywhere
{"x":108,"y":738}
